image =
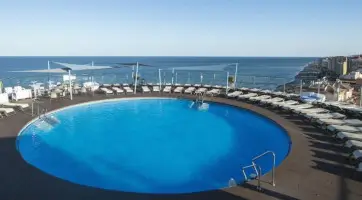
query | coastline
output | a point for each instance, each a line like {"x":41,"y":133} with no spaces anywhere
{"x":310,"y":71}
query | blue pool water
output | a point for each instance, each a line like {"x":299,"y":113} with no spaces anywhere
{"x":152,"y":145}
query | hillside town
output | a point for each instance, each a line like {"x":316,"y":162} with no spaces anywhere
{"x":339,"y":78}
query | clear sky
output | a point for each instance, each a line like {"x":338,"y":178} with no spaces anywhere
{"x":180,"y":27}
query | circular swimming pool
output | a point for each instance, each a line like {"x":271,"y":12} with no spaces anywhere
{"x":151,"y":145}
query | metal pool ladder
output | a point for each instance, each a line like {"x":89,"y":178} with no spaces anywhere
{"x":258,"y":171}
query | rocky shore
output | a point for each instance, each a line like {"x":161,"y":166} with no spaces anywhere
{"x":311,"y":72}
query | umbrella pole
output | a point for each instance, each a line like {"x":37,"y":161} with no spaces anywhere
{"x":236,"y":74}
{"x":159,"y":78}
{"x":70,"y":86}
{"x":48,"y":78}
{"x":227,"y":82}
{"x":135,"y":81}
{"x":173,"y":72}
{"x":176,"y":78}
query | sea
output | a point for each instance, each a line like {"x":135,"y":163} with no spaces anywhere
{"x":259,"y":72}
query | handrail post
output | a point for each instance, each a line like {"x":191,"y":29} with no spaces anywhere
{"x":273,"y":170}
{"x":259,"y":178}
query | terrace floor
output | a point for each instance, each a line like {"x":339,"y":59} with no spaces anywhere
{"x":317,"y":168}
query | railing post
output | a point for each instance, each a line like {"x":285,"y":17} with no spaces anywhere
{"x":273,"y":170}
{"x":259,"y":178}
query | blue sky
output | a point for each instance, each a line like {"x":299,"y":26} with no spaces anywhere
{"x":181,"y":27}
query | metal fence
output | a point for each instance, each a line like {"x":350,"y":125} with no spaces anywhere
{"x":152,"y":76}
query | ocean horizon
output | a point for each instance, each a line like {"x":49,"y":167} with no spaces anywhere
{"x":262,"y":72}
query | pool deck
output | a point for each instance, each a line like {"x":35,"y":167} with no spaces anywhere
{"x":316,"y":168}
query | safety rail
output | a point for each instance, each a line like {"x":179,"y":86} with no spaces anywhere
{"x":41,"y":110}
{"x":273,"y":168}
{"x":200,"y":97}
{"x":250,"y":166}
{"x":258,"y":170}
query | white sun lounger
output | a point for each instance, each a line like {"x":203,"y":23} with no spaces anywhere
{"x":298,"y":106}
{"x":334,"y":115}
{"x":292,"y":95}
{"x":106,"y":91}
{"x":353,"y":144}
{"x":145,"y":89}
{"x":349,"y":136}
{"x":269,"y":101}
{"x":244,"y":89}
{"x":255,"y":90}
{"x":16,"y":105}
{"x":353,"y":122}
{"x":246,"y":96}
{"x":259,"y":98}
{"x":7,"y":111}
{"x":303,"y":111}
{"x":200,"y":90}
{"x":190,"y":90}
{"x":352,"y":108}
{"x":234,"y":94}
{"x":117,"y":90}
{"x":167,"y":89}
{"x":342,"y":128}
{"x":266,"y":91}
{"x":327,"y":122}
{"x":279,"y":93}
{"x":280,"y":104}
{"x":128,"y":89}
{"x":4,"y":101}
{"x":213,"y":92}
{"x":346,"y":122}
{"x":156,"y":88}
{"x":178,"y":89}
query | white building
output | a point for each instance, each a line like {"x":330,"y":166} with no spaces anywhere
{"x":338,"y":92}
{"x":352,"y":75}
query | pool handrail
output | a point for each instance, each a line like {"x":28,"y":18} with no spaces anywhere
{"x":273,"y":168}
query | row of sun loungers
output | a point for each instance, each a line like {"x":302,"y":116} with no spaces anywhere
{"x":7,"y":108}
{"x":166,"y":89}
{"x":345,"y":130}
{"x":116,"y":90}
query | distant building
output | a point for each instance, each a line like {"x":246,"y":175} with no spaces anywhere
{"x":340,"y":91}
{"x":332,"y":63}
{"x":340,"y":65}
{"x":347,"y":66}
{"x":352,"y":75}
{"x":340,"y":69}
